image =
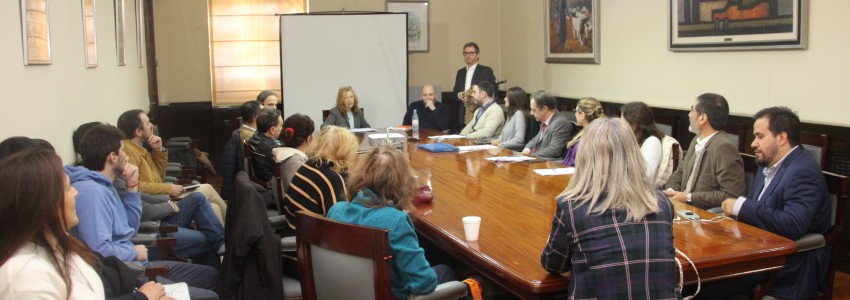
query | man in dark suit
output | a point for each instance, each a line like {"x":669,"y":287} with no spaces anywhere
{"x":470,"y":75}
{"x":713,"y":169}
{"x":789,"y":198}
{"x":555,"y":129}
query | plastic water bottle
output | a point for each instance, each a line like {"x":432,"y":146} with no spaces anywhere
{"x":415,"y":123}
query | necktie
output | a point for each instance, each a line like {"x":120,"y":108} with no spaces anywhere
{"x":542,"y":131}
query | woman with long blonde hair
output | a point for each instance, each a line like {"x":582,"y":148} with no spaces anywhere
{"x":587,"y":110}
{"x":347,"y":112}
{"x":611,"y":225}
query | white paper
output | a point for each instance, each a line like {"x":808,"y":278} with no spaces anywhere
{"x":555,"y":171}
{"x":476,"y":147}
{"x":393,"y":135}
{"x":510,"y":158}
{"x":362,"y":129}
{"x":449,"y":136}
{"x":179,"y":291}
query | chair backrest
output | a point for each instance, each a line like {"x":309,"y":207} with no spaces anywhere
{"x":666,"y":129}
{"x":325,"y":114}
{"x":815,"y":144}
{"x":737,"y":134}
{"x":335,"y":259}
{"x":532,"y":127}
{"x":249,"y":165}
{"x":839,"y":188}
{"x":750,"y":169}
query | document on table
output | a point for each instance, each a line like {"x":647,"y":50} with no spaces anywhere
{"x":362,"y":129}
{"x":476,"y":148}
{"x":510,"y":158}
{"x":555,"y":171}
{"x":179,"y":291}
{"x":391,"y":135}
{"x":448,"y":136}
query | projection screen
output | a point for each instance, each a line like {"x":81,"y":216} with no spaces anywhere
{"x":319,"y":53}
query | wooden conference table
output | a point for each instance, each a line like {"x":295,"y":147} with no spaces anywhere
{"x":517,"y":206}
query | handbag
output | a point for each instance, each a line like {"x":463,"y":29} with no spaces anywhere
{"x":423,"y":195}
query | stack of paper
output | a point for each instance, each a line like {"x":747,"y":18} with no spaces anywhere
{"x":362,"y":129}
{"x":448,"y":136}
{"x":509,"y":158}
{"x":476,"y":147}
{"x":556,"y":171}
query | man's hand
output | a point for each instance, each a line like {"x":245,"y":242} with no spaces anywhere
{"x":676,"y":196}
{"x":430,"y":105}
{"x":174,"y":208}
{"x":728,"y":206}
{"x":131,"y":176}
{"x":152,"y":290}
{"x":141,"y":252}
{"x":176,"y":190}
{"x":526,"y":151}
{"x":495,"y":142}
{"x":460,"y":96}
{"x":155,"y":142}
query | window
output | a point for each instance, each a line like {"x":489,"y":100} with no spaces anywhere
{"x":245,"y":41}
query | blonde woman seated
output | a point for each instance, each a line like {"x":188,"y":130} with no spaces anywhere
{"x":384,"y":185}
{"x":612,"y":230}
{"x":587,"y":110}
{"x":513,"y":134}
{"x":347,"y":112}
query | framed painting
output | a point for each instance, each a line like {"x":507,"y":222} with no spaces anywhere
{"x":89,"y":33}
{"x":418,"y":36}
{"x":35,"y":31}
{"x":572,"y":31}
{"x":715,"y":25}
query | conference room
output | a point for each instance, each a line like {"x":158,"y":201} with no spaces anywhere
{"x":191,"y":64}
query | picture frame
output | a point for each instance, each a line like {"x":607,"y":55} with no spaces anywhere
{"x":571,"y":33}
{"x":140,"y":39}
{"x":119,"y":33}
{"x":89,"y":33}
{"x":35,"y":32}
{"x":418,"y":33}
{"x":711,"y":25}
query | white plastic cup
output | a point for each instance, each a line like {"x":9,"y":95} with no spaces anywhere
{"x":471,"y":225}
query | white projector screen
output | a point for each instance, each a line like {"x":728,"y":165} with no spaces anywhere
{"x":319,"y":53}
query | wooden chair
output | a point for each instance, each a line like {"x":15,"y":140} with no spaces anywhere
{"x":737,"y":135}
{"x":750,"y":169}
{"x":839,"y":189}
{"x":330,"y":252}
{"x":815,"y":144}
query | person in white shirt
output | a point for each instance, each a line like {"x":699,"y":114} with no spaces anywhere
{"x":639,"y":117}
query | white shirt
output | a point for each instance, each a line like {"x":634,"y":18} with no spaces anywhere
{"x":701,"y":142}
{"x":469,"y":71}
{"x":769,"y":173}
{"x":30,"y":274}
{"x":651,"y":152}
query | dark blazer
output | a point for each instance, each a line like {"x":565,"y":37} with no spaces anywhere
{"x":552,"y":143}
{"x":438,"y":119}
{"x":231,"y":163}
{"x":795,"y":203}
{"x":720,"y":174}
{"x":482,"y":72}
{"x":336,"y":118}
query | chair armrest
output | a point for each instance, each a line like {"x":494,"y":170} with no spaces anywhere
{"x":810,"y":241}
{"x":151,"y":272}
{"x":169,"y":179}
{"x":185,"y":139}
{"x":448,"y":290}
{"x":715,"y":210}
{"x":278,"y":221}
{"x":288,"y":243}
{"x":291,"y":288}
{"x":147,"y":239}
{"x":165,"y":229}
{"x":148,"y":227}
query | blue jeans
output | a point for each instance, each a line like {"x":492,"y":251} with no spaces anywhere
{"x":204,"y":242}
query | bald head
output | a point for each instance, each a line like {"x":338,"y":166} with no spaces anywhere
{"x":428,"y":93}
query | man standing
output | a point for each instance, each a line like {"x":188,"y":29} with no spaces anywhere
{"x":789,"y":198}
{"x":555,"y":130}
{"x":138,"y":130}
{"x":269,"y":126}
{"x":713,"y":169}
{"x":432,"y":114}
{"x":489,"y":118}
{"x":469,"y":75}
{"x":107,"y":221}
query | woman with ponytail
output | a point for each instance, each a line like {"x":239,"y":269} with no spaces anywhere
{"x":587,"y":110}
{"x":296,"y":137}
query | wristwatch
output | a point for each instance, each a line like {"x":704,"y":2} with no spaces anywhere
{"x":689,"y":200}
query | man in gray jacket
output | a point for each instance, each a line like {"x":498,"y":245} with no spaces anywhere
{"x":555,"y":130}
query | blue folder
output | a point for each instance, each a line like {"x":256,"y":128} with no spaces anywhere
{"x":438,"y":147}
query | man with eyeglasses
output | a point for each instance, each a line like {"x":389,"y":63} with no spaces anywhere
{"x":470,"y":75}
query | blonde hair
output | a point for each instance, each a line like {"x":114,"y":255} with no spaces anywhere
{"x":387,"y":173}
{"x":610,"y":172}
{"x":335,"y":145}
{"x":340,"y":101}
{"x":592,"y":110}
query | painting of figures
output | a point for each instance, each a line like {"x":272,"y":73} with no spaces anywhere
{"x":736,"y":24}
{"x":572,"y":31}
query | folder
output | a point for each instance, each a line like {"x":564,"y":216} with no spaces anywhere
{"x":438,"y":147}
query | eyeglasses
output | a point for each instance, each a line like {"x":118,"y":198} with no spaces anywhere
{"x":469,"y":53}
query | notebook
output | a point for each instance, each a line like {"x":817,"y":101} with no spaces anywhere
{"x":438,"y":147}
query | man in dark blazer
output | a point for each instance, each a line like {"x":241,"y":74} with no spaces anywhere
{"x":470,"y":75}
{"x":789,"y":198}
{"x":713,"y":169}
{"x":555,"y":129}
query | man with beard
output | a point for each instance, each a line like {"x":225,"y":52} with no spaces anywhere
{"x":713,"y":169}
{"x":107,"y":221}
{"x":789,"y":198}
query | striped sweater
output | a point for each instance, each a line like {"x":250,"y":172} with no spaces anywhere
{"x":315,"y":187}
